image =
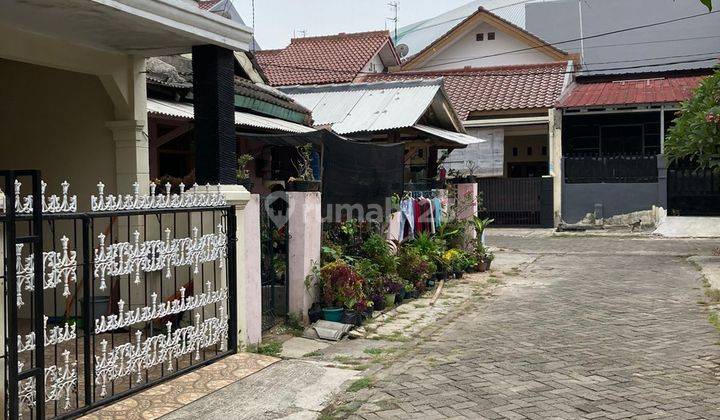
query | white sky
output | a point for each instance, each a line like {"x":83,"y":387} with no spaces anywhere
{"x":275,"y":20}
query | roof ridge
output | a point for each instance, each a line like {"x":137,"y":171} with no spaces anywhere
{"x":411,"y":82}
{"x":480,"y":69}
{"x":342,"y":35}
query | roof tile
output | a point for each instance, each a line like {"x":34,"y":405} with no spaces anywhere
{"x":495,"y":88}
{"x":322,"y":59}
{"x":668,"y":89}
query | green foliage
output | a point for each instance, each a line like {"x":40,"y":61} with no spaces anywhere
{"x":242,"y":161}
{"x":708,"y":4}
{"x":695,"y":133}
{"x":361,"y":383}
{"x":341,"y":286}
{"x":272,"y":348}
{"x":303,"y":166}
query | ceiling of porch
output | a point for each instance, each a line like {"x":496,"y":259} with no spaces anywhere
{"x":142,"y":27}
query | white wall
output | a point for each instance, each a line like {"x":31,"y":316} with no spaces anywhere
{"x":375,"y":65}
{"x":488,"y":156}
{"x":466,"y":46}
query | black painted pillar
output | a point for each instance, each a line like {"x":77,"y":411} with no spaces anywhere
{"x":547,"y":208}
{"x":214,"y":99}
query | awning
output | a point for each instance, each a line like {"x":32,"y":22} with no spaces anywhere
{"x":458,"y":138}
{"x":243,"y":119}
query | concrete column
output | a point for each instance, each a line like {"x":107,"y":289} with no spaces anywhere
{"x":2,"y":300}
{"x":662,"y":181}
{"x":305,"y":228}
{"x":467,"y":196}
{"x":132,"y":159}
{"x":556,"y":167}
{"x":214,"y":100}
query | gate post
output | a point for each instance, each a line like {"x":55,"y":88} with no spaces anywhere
{"x":247,"y":279}
{"x":305,"y":229}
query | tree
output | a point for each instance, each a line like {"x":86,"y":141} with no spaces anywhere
{"x":695,"y":133}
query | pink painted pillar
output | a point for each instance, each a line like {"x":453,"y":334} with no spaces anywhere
{"x":251,"y":331}
{"x":467,"y":196}
{"x":305,"y":229}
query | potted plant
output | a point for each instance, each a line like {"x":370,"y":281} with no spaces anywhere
{"x":410,"y":291}
{"x":393,"y":285}
{"x":243,"y":175}
{"x":480,"y":225}
{"x":341,"y":289}
{"x":305,"y":180}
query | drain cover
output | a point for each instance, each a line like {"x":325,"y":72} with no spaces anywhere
{"x":329,"y":330}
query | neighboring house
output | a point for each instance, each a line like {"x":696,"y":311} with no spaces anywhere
{"x":613,"y":130}
{"x":338,"y":58}
{"x":259,"y":109}
{"x":504,"y":82}
{"x":417,"y":113}
{"x":414,"y":37}
{"x":615,"y":116}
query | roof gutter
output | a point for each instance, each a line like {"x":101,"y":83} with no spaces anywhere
{"x":185,"y":18}
{"x":497,"y":122}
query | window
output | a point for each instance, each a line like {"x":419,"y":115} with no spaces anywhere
{"x":491,"y":36}
{"x":544,"y":150}
{"x":479,"y":37}
{"x":515,"y":151}
{"x":529,"y":151}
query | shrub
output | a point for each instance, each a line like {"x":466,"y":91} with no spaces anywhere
{"x":340,"y":285}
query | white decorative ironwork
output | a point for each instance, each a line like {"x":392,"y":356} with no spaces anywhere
{"x":126,"y":318}
{"x":125,"y":258}
{"x":58,"y":267}
{"x":51,"y":204}
{"x":60,"y":382}
{"x":55,"y":336}
{"x":130,"y":358}
{"x":136,"y":201}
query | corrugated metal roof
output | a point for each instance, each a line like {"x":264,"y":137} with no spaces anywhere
{"x":358,"y":107}
{"x":458,"y":138}
{"x":185,"y":110}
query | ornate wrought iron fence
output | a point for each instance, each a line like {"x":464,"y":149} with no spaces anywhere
{"x":135,"y":292}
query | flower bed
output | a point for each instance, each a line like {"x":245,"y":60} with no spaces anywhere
{"x":361,"y":272}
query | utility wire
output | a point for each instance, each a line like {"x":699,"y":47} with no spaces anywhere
{"x":309,"y":68}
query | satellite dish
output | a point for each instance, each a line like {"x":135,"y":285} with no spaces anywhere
{"x":402,"y":50}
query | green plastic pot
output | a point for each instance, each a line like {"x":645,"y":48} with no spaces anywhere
{"x":389,"y":299}
{"x":332,"y":314}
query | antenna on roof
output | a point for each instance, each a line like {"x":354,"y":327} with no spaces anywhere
{"x":394,"y":5}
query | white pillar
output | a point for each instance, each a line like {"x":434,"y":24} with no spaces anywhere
{"x":247,"y":258}
{"x":467,"y":197}
{"x":556,"y":169}
{"x":305,"y":229}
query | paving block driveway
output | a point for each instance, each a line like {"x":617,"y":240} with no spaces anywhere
{"x":592,"y":328}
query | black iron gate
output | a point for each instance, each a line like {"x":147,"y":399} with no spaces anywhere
{"x":692,"y":191}
{"x":274,"y":236}
{"x":138,"y":291}
{"x":511,"y":201}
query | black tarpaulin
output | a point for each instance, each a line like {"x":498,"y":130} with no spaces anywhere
{"x":352,"y":172}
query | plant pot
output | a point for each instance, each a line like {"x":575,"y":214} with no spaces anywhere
{"x":351,"y":317}
{"x":389,"y":300}
{"x":246,"y":183}
{"x":441,"y":275}
{"x":430,"y":283}
{"x":400,"y":296}
{"x":459,"y":274}
{"x":379,"y":304}
{"x":332,"y":314}
{"x":315,"y":313}
{"x":482,"y":267}
{"x":367,"y":313}
{"x":412,"y":295}
{"x":304,"y":186}
{"x":488,"y":264}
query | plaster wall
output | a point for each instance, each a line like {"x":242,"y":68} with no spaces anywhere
{"x":466,"y":46}
{"x":54,"y":120}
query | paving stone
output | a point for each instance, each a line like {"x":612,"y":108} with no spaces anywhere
{"x":594,"y":327}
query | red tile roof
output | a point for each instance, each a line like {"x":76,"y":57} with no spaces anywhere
{"x":207,"y":4}
{"x":322,"y":59}
{"x":495,"y":88}
{"x":629,"y":92}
